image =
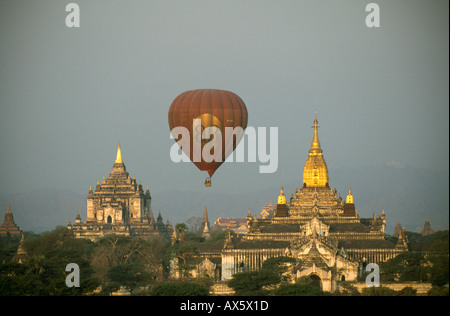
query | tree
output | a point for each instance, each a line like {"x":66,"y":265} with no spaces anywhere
{"x":44,"y":271}
{"x":407,"y":266}
{"x":274,"y":271}
{"x":377,"y":291}
{"x":113,"y":250}
{"x":299,"y":289}
{"x":218,"y":235}
{"x":385,"y":291}
{"x":182,"y":252}
{"x":181,"y":229}
{"x":282,"y":266}
{"x":438,"y":291}
{"x":131,"y":275}
{"x":439,"y":258}
{"x":19,"y":279}
{"x":347,"y":289}
{"x":252,"y":283}
{"x":194,"y":224}
{"x":407,"y":291}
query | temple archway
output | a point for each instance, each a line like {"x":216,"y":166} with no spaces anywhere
{"x":109,"y":219}
{"x":316,"y":280}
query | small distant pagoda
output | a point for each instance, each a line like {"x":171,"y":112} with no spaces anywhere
{"x":206,"y":226}
{"x":427,"y":228}
{"x":21,"y":254}
{"x":9,"y":228}
{"x":397,"y":230}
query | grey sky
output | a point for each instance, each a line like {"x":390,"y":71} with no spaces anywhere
{"x":69,"y":96}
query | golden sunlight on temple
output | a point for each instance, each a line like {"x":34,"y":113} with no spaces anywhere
{"x":315,"y":172}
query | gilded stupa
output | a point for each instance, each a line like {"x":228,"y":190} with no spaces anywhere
{"x":281,"y":197}
{"x":315,"y":172}
{"x":282,"y":210}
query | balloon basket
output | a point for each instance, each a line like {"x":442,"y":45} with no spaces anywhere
{"x":208,"y":182}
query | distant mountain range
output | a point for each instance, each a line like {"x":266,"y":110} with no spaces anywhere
{"x":408,"y":195}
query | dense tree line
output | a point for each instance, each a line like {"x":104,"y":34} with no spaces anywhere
{"x":43,"y":273}
{"x":108,"y":265}
{"x":105,"y":266}
{"x":427,"y":261}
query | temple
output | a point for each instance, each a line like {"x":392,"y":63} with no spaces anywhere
{"x":327,"y":235}
{"x":205,"y":226}
{"x":9,"y":227}
{"x":119,"y":206}
{"x":427,"y":228}
{"x":317,"y":227}
{"x":397,"y":229}
{"x":21,"y":254}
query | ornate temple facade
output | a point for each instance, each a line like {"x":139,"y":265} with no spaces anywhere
{"x":119,"y":206}
{"x":9,"y":227}
{"x":326,"y":234}
{"x":317,"y":227}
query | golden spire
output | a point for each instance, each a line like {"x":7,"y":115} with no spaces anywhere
{"x":119,"y":155}
{"x":281,"y":197}
{"x":315,"y":172}
{"x":349,"y":198}
{"x":315,"y":144}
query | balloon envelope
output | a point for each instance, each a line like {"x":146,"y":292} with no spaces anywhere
{"x":211,"y":110}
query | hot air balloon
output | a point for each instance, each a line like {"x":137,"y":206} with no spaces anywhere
{"x":209,"y":115}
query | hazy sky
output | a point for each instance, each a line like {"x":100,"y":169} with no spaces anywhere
{"x":68,"y":96}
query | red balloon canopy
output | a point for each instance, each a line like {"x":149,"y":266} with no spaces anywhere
{"x":215,"y":108}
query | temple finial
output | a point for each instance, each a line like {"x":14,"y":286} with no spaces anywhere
{"x":315,"y":144}
{"x":119,"y":155}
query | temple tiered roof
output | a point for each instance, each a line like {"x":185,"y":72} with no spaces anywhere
{"x":9,"y":227}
